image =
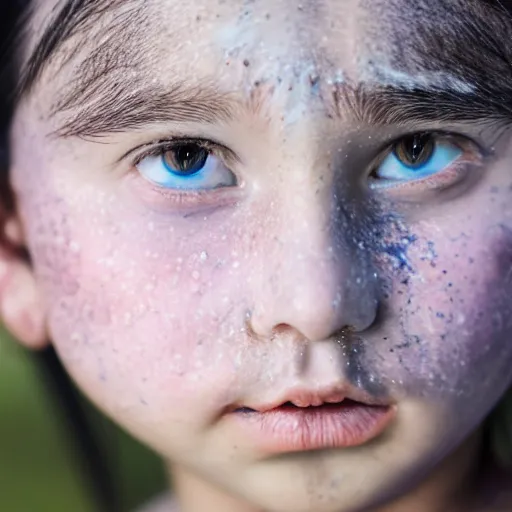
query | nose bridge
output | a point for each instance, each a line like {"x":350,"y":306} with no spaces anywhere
{"x":312,"y":279}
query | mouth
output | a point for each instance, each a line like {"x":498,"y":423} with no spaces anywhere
{"x":312,"y":422}
{"x":290,"y":406}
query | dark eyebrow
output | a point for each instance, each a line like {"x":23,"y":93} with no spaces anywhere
{"x":123,"y":110}
{"x":410,"y":108}
{"x":458,"y":56}
{"x":114,"y":108}
{"x":473,"y":47}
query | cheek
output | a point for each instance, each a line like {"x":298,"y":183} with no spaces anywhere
{"x":144,"y":311}
{"x":455,"y":315}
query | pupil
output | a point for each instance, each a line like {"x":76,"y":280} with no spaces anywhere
{"x":187,"y":158}
{"x":416,"y":150}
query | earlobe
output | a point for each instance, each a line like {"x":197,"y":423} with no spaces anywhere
{"x":21,"y":305}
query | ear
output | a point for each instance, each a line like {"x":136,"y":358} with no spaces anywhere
{"x":21,"y":305}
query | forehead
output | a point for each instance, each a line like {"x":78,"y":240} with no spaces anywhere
{"x":282,"y":54}
{"x":348,"y":35}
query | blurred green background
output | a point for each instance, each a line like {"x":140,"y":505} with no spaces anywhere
{"x":39,"y":469}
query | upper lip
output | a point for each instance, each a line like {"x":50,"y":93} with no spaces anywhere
{"x":303,"y":397}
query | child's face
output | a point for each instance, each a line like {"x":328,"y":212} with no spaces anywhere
{"x":303,"y":256}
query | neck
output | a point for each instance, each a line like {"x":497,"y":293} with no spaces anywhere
{"x":449,"y":488}
{"x":197,"y":495}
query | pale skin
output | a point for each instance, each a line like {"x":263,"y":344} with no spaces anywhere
{"x":168,"y":308}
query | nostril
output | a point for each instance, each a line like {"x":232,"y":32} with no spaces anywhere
{"x":345,"y":332}
{"x":382,"y":311}
{"x":281,"y":329}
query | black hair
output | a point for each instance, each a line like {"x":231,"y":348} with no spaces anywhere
{"x":89,"y":449}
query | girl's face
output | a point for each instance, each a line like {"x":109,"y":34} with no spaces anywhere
{"x":231,"y":205}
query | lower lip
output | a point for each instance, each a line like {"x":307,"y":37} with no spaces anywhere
{"x":293,"y":429}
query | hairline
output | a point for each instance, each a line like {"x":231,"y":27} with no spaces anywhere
{"x":66,"y":22}
{"x":75,"y":15}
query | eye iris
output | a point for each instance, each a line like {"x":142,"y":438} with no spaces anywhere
{"x":416,"y":150}
{"x":186,"y":159}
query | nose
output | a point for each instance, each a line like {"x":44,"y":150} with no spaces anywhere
{"x":311,"y":278}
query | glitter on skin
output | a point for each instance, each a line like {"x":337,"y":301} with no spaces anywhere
{"x":148,"y":297}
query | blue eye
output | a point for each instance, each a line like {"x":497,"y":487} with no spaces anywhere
{"x":186,"y":166}
{"x":415,"y":157}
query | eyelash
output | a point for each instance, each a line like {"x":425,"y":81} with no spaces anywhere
{"x":452,"y":175}
{"x":160,"y":147}
{"x":186,"y":198}
{"x":473,"y":153}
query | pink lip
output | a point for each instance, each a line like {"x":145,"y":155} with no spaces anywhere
{"x":313,"y":421}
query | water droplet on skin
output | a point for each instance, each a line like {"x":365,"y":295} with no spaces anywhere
{"x":203,"y":256}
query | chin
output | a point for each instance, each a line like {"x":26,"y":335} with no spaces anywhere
{"x":309,"y":483}
{"x":311,"y":500}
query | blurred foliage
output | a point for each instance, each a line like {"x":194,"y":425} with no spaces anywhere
{"x":38,"y":469}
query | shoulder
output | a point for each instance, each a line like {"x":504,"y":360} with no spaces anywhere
{"x":163,"y":503}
